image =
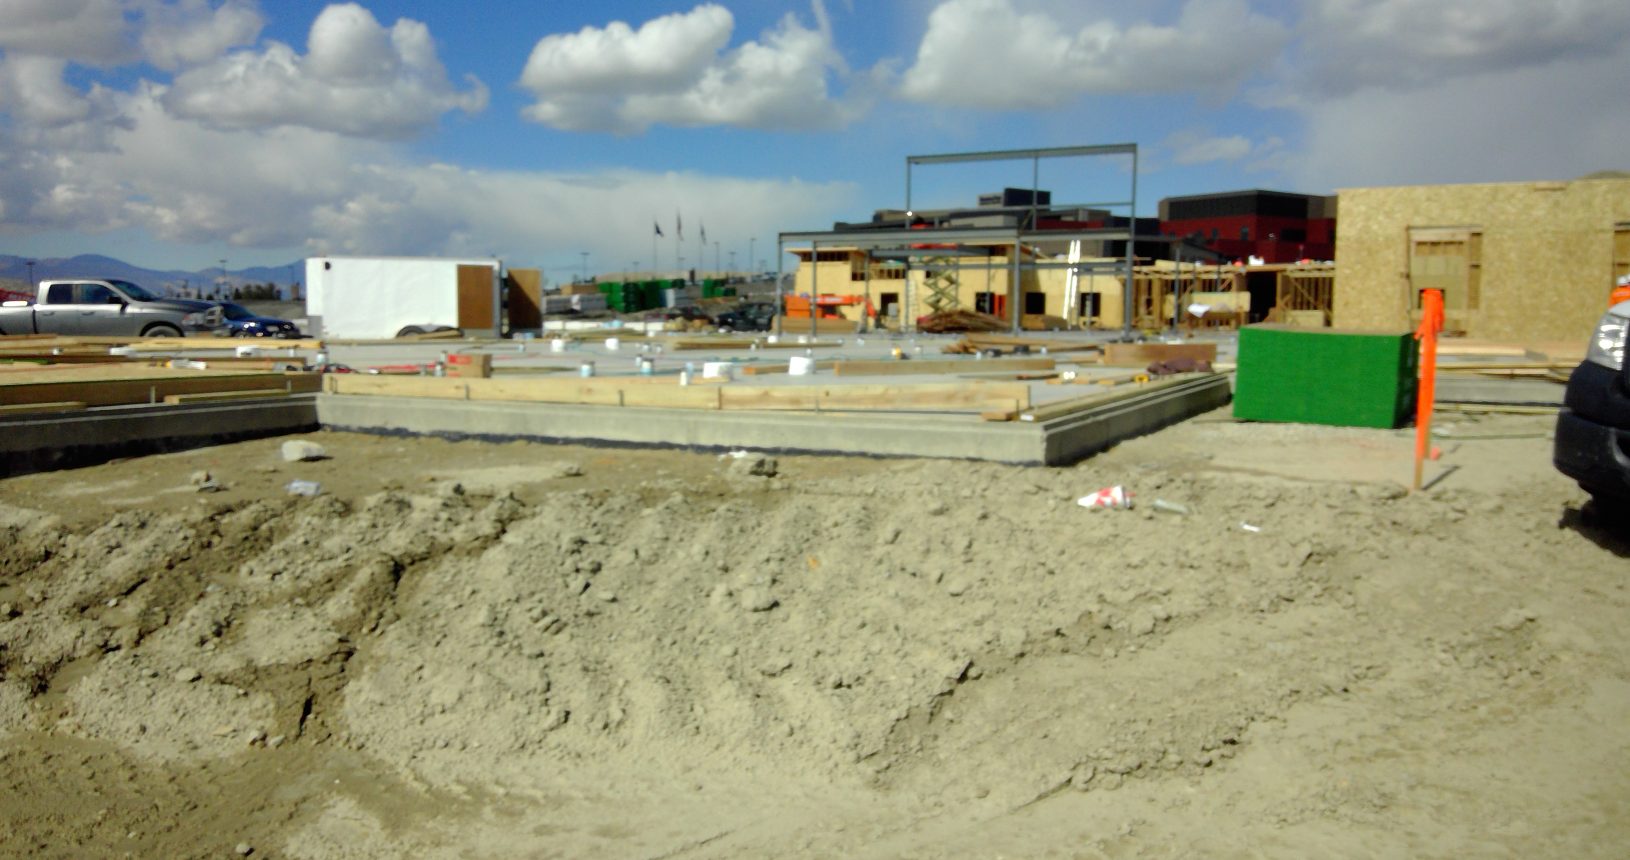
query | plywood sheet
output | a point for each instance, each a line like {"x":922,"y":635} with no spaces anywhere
{"x":525,"y":303}
{"x":1144,"y":354}
{"x":475,"y":300}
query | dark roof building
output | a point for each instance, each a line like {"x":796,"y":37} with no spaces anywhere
{"x":1275,"y":226}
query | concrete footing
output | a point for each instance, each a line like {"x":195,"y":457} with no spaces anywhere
{"x":37,"y":443}
{"x":1057,"y":442}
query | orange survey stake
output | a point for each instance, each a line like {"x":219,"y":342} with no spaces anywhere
{"x":1427,"y":334}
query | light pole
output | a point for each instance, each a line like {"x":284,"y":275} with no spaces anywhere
{"x":221,"y":284}
{"x":732,"y":261}
{"x":750,"y":241}
{"x":680,"y":262}
{"x":585,"y":265}
{"x":33,"y":287}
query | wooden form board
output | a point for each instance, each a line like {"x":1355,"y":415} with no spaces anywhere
{"x":887,"y":367}
{"x":98,"y":343}
{"x":1143,"y":354}
{"x":151,"y":387}
{"x":974,"y":396}
{"x":37,"y":408}
{"x":213,"y":396}
{"x":983,"y":340}
{"x":1061,"y":408}
{"x":780,"y":367}
{"x":784,"y":342}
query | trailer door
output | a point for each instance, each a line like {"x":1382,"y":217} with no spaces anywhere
{"x":476,"y":308}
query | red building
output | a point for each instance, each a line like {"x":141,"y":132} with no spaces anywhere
{"x":1276,"y":226}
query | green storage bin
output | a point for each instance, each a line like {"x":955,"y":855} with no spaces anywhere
{"x":1326,"y":376}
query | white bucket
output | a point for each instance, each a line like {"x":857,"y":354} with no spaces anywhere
{"x":718,"y":370}
{"x":773,"y":339}
{"x":800,"y":365}
{"x":245,"y":351}
{"x":613,"y":344}
{"x":557,"y":345}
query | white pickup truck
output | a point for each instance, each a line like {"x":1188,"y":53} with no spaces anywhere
{"x":107,"y":306}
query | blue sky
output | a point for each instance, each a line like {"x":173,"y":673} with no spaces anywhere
{"x":175,"y":133}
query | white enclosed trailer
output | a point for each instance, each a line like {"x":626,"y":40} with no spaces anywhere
{"x":378,"y":297}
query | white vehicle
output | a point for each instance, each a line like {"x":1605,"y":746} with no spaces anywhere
{"x":384,"y":297}
{"x":106,"y":306}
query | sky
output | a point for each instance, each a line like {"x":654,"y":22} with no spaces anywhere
{"x":177,"y":133}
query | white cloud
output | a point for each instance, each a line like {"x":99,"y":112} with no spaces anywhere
{"x":674,"y":70}
{"x":992,"y":54}
{"x":93,"y":32}
{"x":32,"y":89}
{"x":663,"y":55}
{"x":1190,"y":148}
{"x":1350,"y":44}
{"x":304,"y":190}
{"x":1552,"y":122}
{"x":190,"y":32}
{"x":358,"y":79}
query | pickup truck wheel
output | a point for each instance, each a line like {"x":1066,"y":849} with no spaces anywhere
{"x":161,"y":330}
{"x":409,"y":330}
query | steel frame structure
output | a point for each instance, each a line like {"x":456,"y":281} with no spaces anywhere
{"x":896,"y":244}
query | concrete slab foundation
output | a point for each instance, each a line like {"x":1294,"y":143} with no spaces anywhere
{"x":1056,"y":442}
{"x":37,"y":443}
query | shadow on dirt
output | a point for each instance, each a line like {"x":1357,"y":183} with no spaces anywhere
{"x":1607,"y":526}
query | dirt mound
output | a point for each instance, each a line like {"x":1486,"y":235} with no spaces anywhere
{"x":895,"y":645}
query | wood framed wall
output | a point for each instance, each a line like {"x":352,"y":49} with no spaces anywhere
{"x":1520,"y":261}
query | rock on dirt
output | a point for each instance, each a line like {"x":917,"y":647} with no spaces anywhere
{"x":296,"y":450}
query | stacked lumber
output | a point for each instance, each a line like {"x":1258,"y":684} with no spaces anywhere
{"x":977,"y":342}
{"x":1144,"y":354}
{"x":1043,"y":322}
{"x":954,"y":321}
{"x":124,"y":384}
{"x":823,"y":325}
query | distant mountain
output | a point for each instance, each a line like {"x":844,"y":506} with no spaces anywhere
{"x":172,"y":281}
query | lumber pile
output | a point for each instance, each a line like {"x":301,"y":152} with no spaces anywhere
{"x":823,"y":325}
{"x":1144,"y":354}
{"x":1043,"y":322}
{"x":124,"y":384}
{"x":955,"y":321}
{"x":980,"y":342}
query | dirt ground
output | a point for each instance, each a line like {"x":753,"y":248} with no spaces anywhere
{"x":466,"y":650}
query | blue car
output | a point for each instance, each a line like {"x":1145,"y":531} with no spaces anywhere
{"x":242,"y":322}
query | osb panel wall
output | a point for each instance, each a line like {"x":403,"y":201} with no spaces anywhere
{"x":1547,"y":253}
{"x":829,"y":277}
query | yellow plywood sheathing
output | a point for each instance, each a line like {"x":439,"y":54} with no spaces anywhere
{"x":1521,"y":261}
